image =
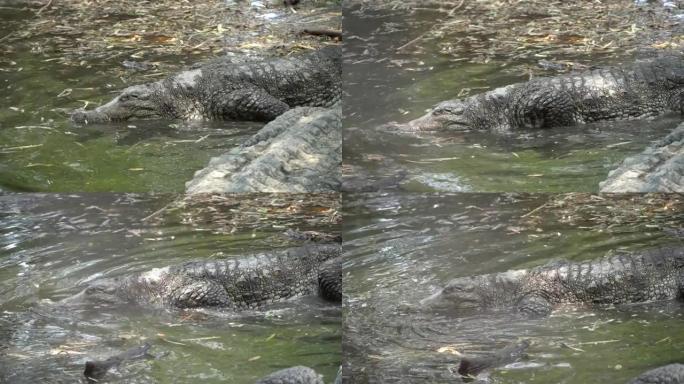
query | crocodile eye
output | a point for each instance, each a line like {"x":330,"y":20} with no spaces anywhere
{"x":447,"y":110}
{"x":450,"y":109}
{"x":452,"y":288}
{"x":459,"y":288}
{"x":129,"y":96}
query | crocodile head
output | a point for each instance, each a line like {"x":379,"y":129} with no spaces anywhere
{"x":135,"y":102}
{"x":447,"y":115}
{"x":461,"y":293}
{"x":487,"y":111}
{"x":491,"y":292}
{"x":103,"y":292}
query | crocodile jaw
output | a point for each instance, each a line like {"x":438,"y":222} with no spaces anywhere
{"x":136,"y":102}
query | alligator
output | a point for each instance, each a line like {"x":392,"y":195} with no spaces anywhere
{"x":221,"y":90}
{"x":659,"y":168}
{"x":650,"y":275}
{"x":642,"y":90}
{"x":667,"y":374}
{"x":235,"y":284}
{"x":300,"y":151}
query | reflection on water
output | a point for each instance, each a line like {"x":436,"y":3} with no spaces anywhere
{"x":386,"y":83}
{"x":51,"y":246}
{"x":400,"y":248}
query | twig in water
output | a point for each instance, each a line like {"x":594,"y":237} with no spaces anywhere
{"x":534,"y":210}
{"x":158,"y":211}
{"x":44,"y":7}
{"x":413,"y":41}
{"x":454,"y":9}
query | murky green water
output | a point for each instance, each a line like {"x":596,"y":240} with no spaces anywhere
{"x":387,"y":83}
{"x":51,"y":246}
{"x":400,"y":248}
{"x":41,"y":150}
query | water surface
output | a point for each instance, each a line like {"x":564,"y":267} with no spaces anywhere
{"x":401,"y":248}
{"x":50,"y":67}
{"x":51,"y":246}
{"x":401,"y":61}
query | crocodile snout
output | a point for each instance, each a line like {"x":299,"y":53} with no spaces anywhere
{"x":82,"y":116}
{"x":426,"y":123}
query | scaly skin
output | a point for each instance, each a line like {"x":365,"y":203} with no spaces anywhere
{"x":235,"y":284}
{"x":652,"y":275}
{"x":255,"y":91}
{"x":643,"y":90}
{"x":659,"y":168}
{"x":668,"y":374}
{"x":293,"y":375}
{"x":300,"y":151}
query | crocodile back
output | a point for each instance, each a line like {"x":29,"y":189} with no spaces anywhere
{"x":261,"y":279}
{"x":650,"y":275}
{"x":312,"y":79}
{"x":644,"y":89}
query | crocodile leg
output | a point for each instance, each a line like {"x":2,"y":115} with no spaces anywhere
{"x":541,"y":106}
{"x":200,"y":293}
{"x":253,"y":104}
{"x":534,"y":305}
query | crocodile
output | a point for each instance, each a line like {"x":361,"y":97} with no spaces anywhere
{"x":644,"y":89}
{"x":650,"y":275}
{"x":245,"y":283}
{"x":222,"y":90}
{"x":667,"y":374}
{"x":300,"y":151}
{"x":659,"y":168}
